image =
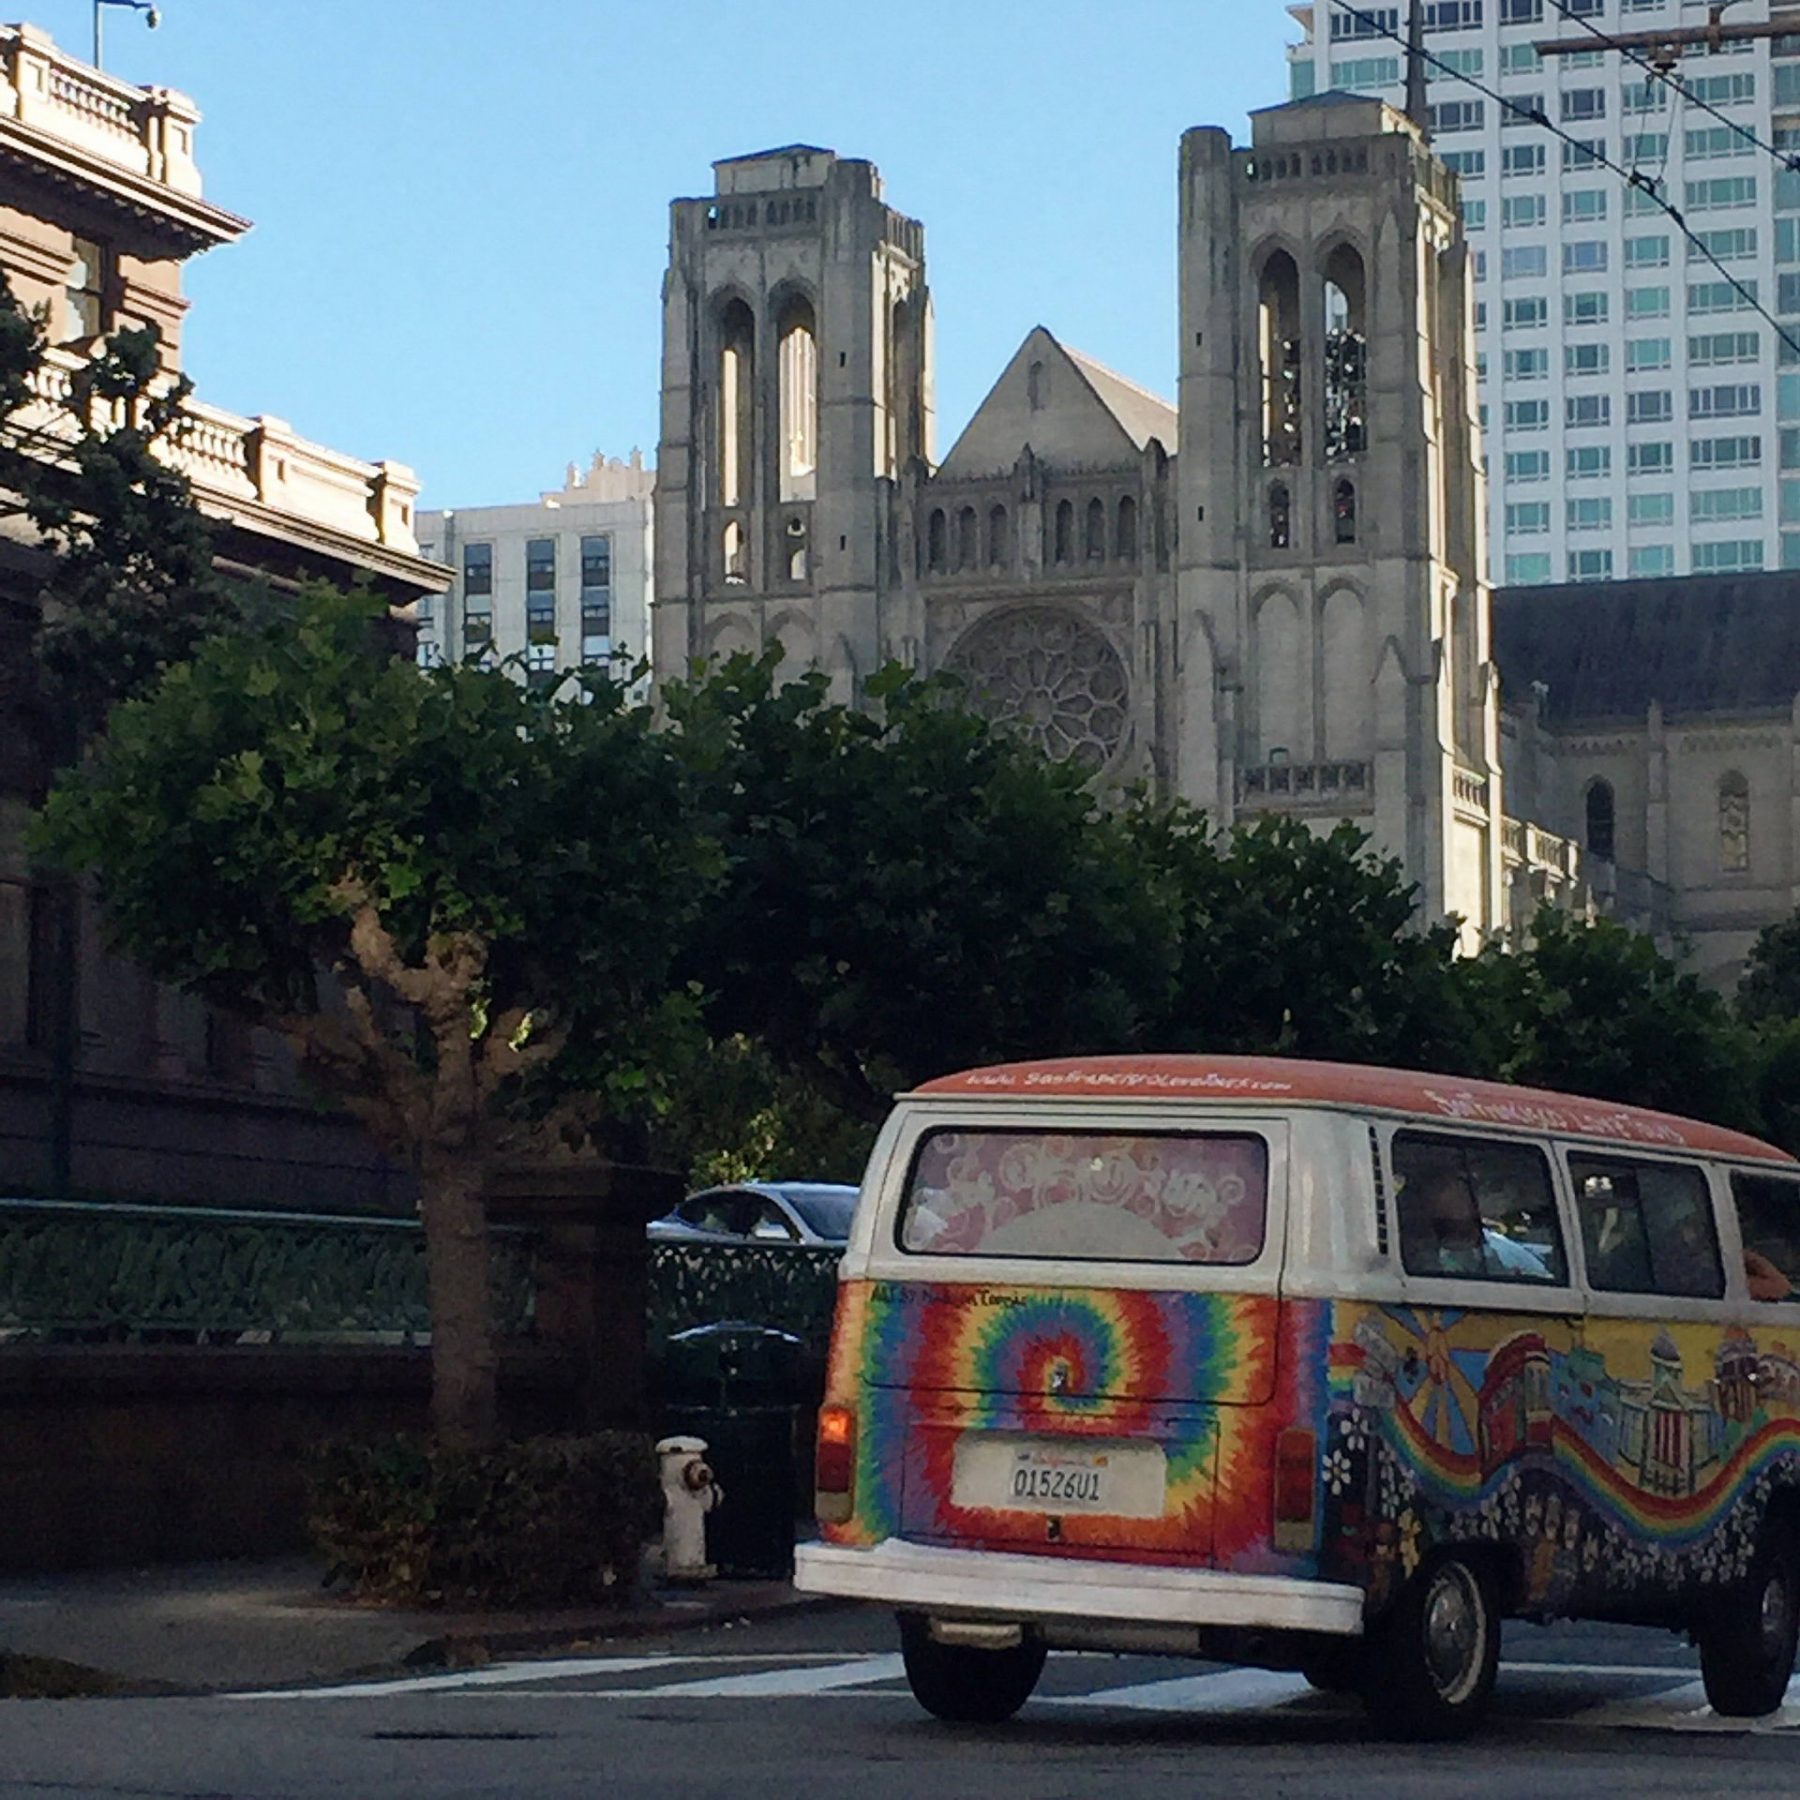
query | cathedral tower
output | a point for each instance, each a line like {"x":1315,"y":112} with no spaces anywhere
{"x":796,"y":389}
{"x":1332,"y":616}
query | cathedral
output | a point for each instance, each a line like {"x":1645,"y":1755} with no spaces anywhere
{"x":1268,"y":596}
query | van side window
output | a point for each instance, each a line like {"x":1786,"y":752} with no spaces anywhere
{"x":1647,"y":1228}
{"x":1477,"y":1208}
{"x":1768,"y":1211}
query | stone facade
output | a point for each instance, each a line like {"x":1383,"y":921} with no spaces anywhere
{"x":100,"y":207}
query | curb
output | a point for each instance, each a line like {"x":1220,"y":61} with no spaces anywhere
{"x":460,"y":1649}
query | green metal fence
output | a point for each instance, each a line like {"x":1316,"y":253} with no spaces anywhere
{"x":81,"y":1272}
{"x":704,"y":1284}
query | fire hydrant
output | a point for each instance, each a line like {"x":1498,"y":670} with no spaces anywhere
{"x":690,"y":1492}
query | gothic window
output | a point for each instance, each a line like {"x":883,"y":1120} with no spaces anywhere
{"x":737,"y":553}
{"x":903,"y":412}
{"x":999,"y":539}
{"x":1734,"y":823}
{"x":1278,"y":329}
{"x":968,"y":549}
{"x":795,"y":544}
{"x":1053,"y":677}
{"x":1600,"y":820}
{"x":1281,"y":518}
{"x":936,"y":545}
{"x":798,"y":364}
{"x":1346,"y":356}
{"x":1128,"y":530}
{"x":1343,"y":512}
{"x":737,"y":392}
{"x":1096,"y":530}
{"x":1065,"y":531}
{"x":1037,"y":386}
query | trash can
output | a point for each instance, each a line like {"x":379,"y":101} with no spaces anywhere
{"x":736,"y":1385}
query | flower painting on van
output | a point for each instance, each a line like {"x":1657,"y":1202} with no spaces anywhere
{"x":1129,"y":1197}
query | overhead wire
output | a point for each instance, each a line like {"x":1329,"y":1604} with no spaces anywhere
{"x":1591,"y":156}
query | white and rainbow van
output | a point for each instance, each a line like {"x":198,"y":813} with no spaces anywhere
{"x":1310,"y":1366}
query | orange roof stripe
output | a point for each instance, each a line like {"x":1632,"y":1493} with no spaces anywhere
{"x":1277,"y":1081}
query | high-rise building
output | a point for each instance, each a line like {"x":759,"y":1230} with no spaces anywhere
{"x":1641,"y":417}
{"x":550,"y":584}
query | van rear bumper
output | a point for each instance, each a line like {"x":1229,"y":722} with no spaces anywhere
{"x":982,"y":1584}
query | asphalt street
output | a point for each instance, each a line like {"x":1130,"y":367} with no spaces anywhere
{"x":817,"y":1704}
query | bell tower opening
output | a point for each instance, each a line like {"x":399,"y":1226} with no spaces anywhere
{"x":737,"y":401}
{"x":1346,"y":357}
{"x":1278,"y":332}
{"x":798,"y":401}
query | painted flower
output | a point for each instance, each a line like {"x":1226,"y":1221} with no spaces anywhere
{"x":1338,"y":1471}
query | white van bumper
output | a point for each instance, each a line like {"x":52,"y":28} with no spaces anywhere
{"x":983,"y":1584}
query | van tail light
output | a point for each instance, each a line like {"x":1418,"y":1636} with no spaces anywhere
{"x":1296,"y":1485}
{"x":834,"y":1478}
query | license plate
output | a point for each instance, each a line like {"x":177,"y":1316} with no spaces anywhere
{"x":1123,"y":1478}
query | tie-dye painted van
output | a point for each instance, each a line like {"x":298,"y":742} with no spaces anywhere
{"x":1315,"y":1367}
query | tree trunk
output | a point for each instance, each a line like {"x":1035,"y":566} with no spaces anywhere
{"x":465,"y":1364}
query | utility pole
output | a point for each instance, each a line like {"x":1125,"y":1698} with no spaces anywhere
{"x":1662,"y":49}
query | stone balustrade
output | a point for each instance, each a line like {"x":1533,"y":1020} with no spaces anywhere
{"x":148,"y":132}
{"x":261,"y":461}
{"x":1278,"y":786}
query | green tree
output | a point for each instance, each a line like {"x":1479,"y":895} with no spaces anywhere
{"x":909,"y":889}
{"x":1297,"y":944}
{"x":458,"y":901}
{"x":1770,"y":988}
{"x":1598,"y":1009}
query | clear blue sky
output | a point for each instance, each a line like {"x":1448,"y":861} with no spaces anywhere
{"x":461,"y":208}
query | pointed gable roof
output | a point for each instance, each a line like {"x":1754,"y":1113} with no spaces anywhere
{"x":1085,"y":415}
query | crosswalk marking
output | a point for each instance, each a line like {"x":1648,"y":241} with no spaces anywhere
{"x":783,"y":1683}
{"x":1679,"y":1704}
{"x":1232,"y":1690}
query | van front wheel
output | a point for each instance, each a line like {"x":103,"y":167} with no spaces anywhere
{"x":1747,"y":1646}
{"x":1433,"y":1659}
{"x":963,"y":1684}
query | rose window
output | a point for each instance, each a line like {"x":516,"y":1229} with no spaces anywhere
{"x":1051,"y":676}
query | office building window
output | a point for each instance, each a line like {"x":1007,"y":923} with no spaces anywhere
{"x":1588,"y":462}
{"x":1583,"y":153}
{"x":596,"y":563}
{"x":1647,"y":252}
{"x":478,"y":569}
{"x":1526,"y":365}
{"x":1731,"y":556}
{"x":1643,"y":354}
{"x":1590,"y":565}
{"x":1581,"y":410}
{"x":1713,"y":348}
{"x":1653,"y":407}
{"x":1520,"y":59}
{"x":1584,"y":256}
{"x":1589,"y":307}
{"x":1725,"y":453}
{"x":1522,"y":211}
{"x":1650,"y":509}
{"x":1527,"y":518}
{"x":1366,"y":72}
{"x":1721,"y":296}
{"x":1736,"y":243}
{"x":1471,"y":165}
{"x":1522,"y":314}
{"x":1650,"y":560}
{"x":1590,"y":514}
{"x":1525,"y":263}
{"x":1522,"y":159}
{"x":1723,"y":90}
{"x":1527,"y":465}
{"x":1523,"y":109}
{"x":1457,"y":115}
{"x":1721,"y":193}
{"x":1649,"y":459}
{"x":1646,"y":303}
{"x":1583,"y":105}
{"x":1724,"y":506}
{"x":540,"y":565}
{"x":1733,"y":400}
{"x":1531,"y":569}
{"x":1712,"y":141}
{"x":1587,"y":359}
{"x":1526,"y":415}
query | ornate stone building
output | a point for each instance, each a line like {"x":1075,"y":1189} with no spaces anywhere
{"x":1291,"y":614}
{"x":101,"y":205}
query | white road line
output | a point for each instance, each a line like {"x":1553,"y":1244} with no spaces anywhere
{"x":1684,"y":1708}
{"x":497,"y":1675}
{"x":1231,"y":1690}
{"x":1664,"y":1671}
{"x":778,"y":1683}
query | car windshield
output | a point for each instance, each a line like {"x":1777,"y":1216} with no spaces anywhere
{"x":825,"y":1211}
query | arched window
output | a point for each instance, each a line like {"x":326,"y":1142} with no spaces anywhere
{"x":1600,"y":820}
{"x":736,"y":549}
{"x":1128,"y":530}
{"x":936,"y":542}
{"x":1343,"y":512}
{"x":1346,"y":356}
{"x":799,"y":370}
{"x":1037,"y":386}
{"x":795,"y":535}
{"x":1734,"y":823}
{"x":1096,"y":530}
{"x":1278,"y":329}
{"x":1281,"y":518}
{"x":737,"y":401}
{"x":903,"y":411}
{"x":1065,"y":531}
{"x":968,"y":548}
{"x":999,"y":539}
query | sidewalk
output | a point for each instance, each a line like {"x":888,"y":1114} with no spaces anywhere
{"x":202,"y":1626}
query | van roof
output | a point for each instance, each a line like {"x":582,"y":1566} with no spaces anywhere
{"x":1279,"y":1081}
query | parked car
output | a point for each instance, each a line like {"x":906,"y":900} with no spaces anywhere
{"x":812,"y":1213}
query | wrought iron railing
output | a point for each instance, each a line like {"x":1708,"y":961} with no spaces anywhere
{"x":77,"y":1272}
{"x":775,"y":1284}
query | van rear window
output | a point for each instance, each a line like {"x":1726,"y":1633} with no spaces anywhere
{"x":1175,"y":1197}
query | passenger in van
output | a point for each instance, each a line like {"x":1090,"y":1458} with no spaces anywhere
{"x":1764,"y":1280}
{"x":1441,"y":1233}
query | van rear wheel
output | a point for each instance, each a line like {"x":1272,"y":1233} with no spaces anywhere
{"x":1747,"y":1645}
{"x":1433,"y":1659}
{"x":963,"y":1684}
